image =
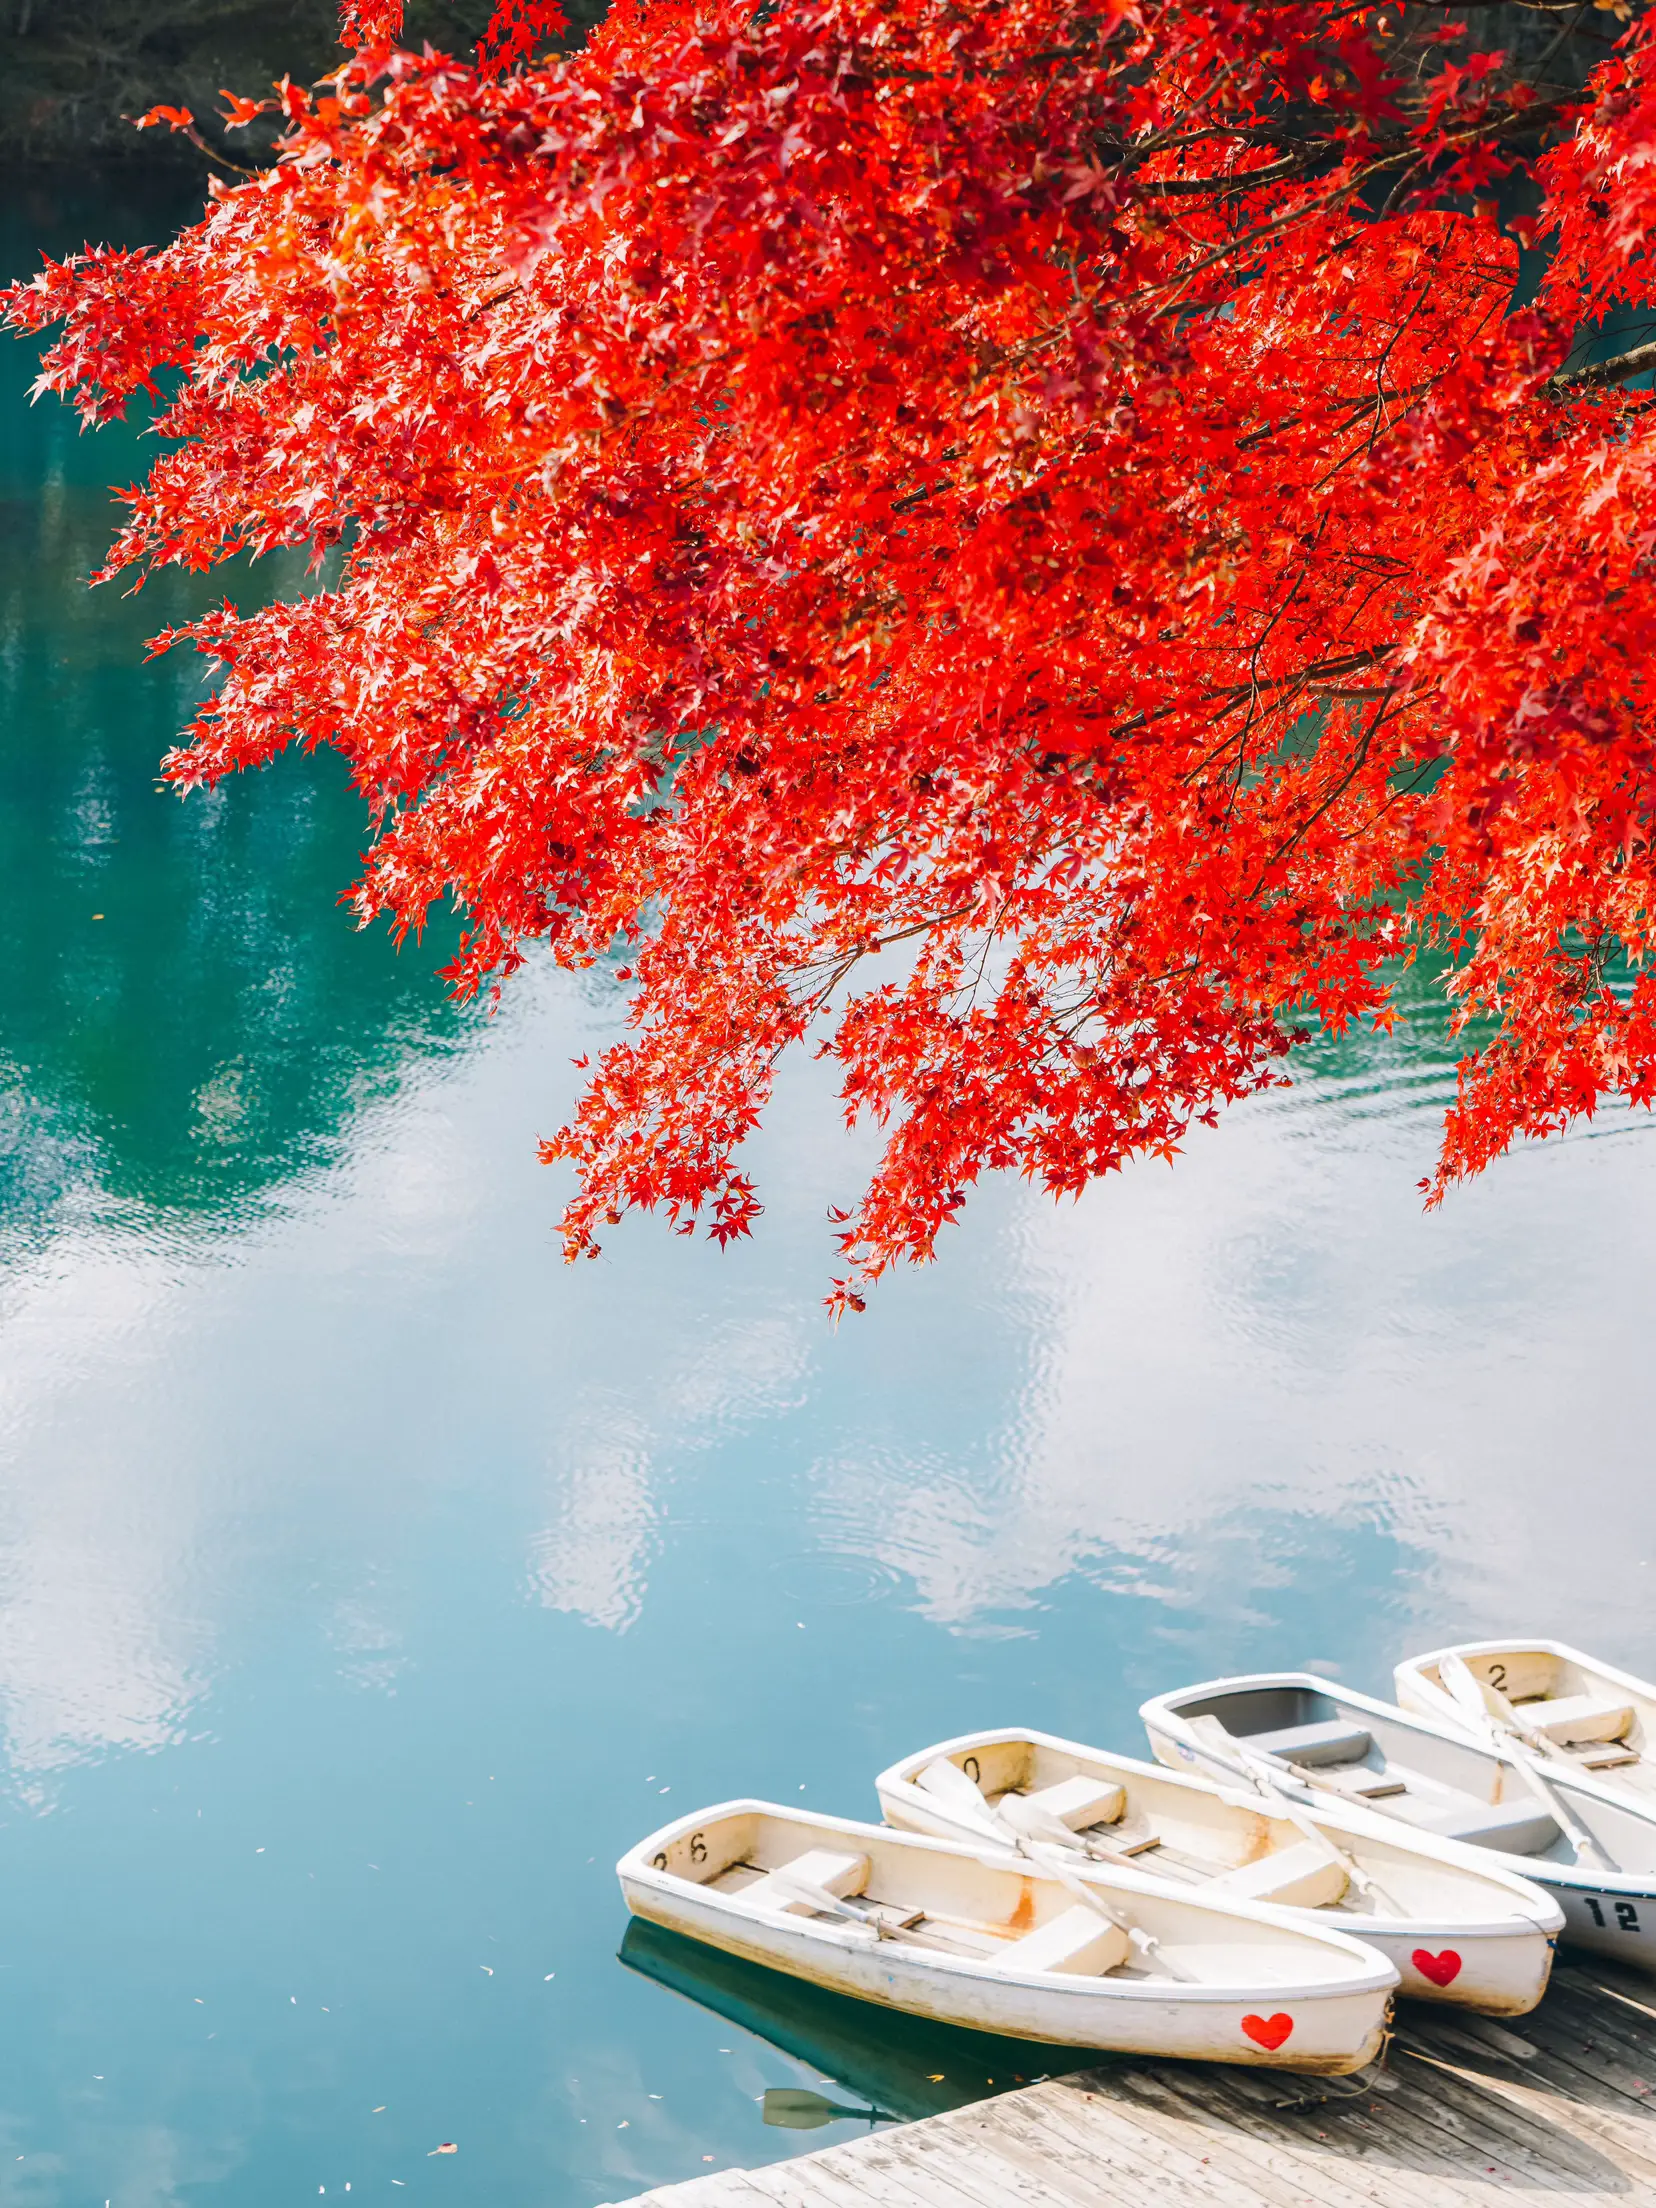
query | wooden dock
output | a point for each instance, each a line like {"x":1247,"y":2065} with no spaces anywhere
{"x":1557,"y":2106}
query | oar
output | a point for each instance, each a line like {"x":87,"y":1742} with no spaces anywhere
{"x":1027,"y":1819}
{"x":948,"y":1782}
{"x":1246,"y":1763}
{"x":798,"y":1888}
{"x":1506,"y":1737}
{"x":1481,"y":1700}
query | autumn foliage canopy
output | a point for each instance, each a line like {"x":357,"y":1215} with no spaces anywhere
{"x":1038,"y":544}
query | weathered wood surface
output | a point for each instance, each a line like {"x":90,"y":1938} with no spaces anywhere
{"x":1557,"y":2106}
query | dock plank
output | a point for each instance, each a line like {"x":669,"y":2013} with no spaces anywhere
{"x":1558,"y":2106}
{"x":1358,"y":2170}
{"x":1161,"y":2165}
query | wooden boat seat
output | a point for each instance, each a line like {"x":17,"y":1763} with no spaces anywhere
{"x":1603,"y":1755}
{"x":1080,"y":1943}
{"x":1329,"y":1740}
{"x":1521,"y":1828}
{"x":1358,"y":1782}
{"x":839,"y":1875}
{"x":1300,"y":1877}
{"x":1080,"y":1801}
{"x":1574,"y":1719}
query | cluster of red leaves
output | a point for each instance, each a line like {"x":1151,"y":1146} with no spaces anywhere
{"x":515,"y":30}
{"x":1029,"y":541}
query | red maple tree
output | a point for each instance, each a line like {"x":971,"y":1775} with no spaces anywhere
{"x":1033,"y":542}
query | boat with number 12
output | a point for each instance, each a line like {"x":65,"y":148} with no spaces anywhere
{"x":1593,"y":1852}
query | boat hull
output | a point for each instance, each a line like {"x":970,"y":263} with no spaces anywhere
{"x":1618,"y":1919}
{"x":1333,"y":2034}
{"x":1497,"y":1971}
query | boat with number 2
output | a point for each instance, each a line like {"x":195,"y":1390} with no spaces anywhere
{"x":1592,"y":1721}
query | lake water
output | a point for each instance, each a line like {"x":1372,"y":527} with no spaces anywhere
{"x":369,"y":1579}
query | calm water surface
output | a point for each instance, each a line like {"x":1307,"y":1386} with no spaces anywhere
{"x":368,"y":1579}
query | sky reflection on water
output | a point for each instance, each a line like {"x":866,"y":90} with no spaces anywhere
{"x":368,"y":1579}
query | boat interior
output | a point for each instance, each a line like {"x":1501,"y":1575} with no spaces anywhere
{"x":956,"y":1904}
{"x":1179,"y":1829}
{"x":1587,"y":1717}
{"x":1376,"y":1760}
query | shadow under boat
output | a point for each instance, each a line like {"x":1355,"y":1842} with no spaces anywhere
{"x":903,"y":2067}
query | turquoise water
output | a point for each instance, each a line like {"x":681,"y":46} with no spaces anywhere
{"x":368,"y":1579}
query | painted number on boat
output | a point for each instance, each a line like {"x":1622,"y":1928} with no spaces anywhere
{"x":972,"y":1768}
{"x":1497,"y":1677}
{"x":1627,"y":1917}
{"x":698,"y":1847}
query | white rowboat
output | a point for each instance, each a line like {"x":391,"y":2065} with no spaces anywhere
{"x":1594,"y":1855}
{"x":1456,"y":1930}
{"x":1591,"y":1720}
{"x":996,"y":1943}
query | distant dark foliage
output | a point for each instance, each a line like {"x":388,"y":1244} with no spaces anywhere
{"x":74,"y":72}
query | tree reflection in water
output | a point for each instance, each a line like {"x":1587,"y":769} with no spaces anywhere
{"x":188,"y":1016}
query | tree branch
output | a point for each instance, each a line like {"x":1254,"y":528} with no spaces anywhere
{"x":1599,"y":375}
{"x":1238,"y":180}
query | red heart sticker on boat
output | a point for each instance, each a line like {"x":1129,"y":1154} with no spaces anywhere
{"x":1442,"y":1969}
{"x":1268,"y":2031}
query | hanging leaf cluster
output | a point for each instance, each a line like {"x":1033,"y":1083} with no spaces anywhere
{"x":1035,"y":547}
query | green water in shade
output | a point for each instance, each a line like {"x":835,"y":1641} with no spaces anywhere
{"x":369,"y":1580}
